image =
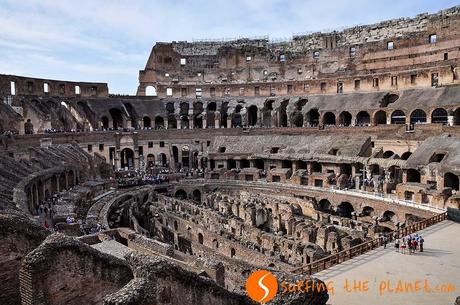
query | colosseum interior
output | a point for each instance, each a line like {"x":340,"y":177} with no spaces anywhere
{"x":233,"y":156}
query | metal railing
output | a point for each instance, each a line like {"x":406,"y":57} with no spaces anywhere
{"x":344,"y":255}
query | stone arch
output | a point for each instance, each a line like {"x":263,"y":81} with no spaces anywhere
{"x":297,"y":119}
{"x":147,"y":122}
{"x":172,"y":122}
{"x":175,"y":154}
{"x":252,"y":115}
{"x":406,"y":155}
{"x":127,"y":158}
{"x":105,"y":122}
{"x":344,"y":118}
{"x":198,"y":120}
{"x":316,"y":167}
{"x":388,"y":99}
{"x":457,"y":116}
{"x":329,"y":118}
{"x":418,"y":116}
{"x":267,"y":110}
{"x":244,"y":163}
{"x":345,"y":209}
{"x":150,"y":91}
{"x":451,"y":180}
{"x":413,"y":175}
{"x":170,"y":108}
{"x":389,"y":216}
{"x":439,"y":116}
{"x":150,"y":160}
{"x":180,"y":194}
{"x":380,"y":117}
{"x":283,"y":118}
{"x":184,"y":121}
{"x":210,"y":115}
{"x":184,"y":108}
{"x":313,"y":117}
{"x":236,"y":117}
{"x":117,"y":118}
{"x":231,"y":164}
{"x":200,"y":238}
{"x":232,"y":252}
{"x":395,"y":173}
{"x":324,"y":205}
{"x":398,"y":117}
{"x":259,"y":163}
{"x":387,"y":154}
{"x":185,"y":156}
{"x":162,"y":159}
{"x":297,"y":116}
{"x":196,"y":195}
{"x":215,"y":244}
{"x":368,"y":211}
{"x":62,"y":182}
{"x":363,"y":118}
{"x":129,"y":108}
{"x":224,"y":115}
{"x":159,"y":122}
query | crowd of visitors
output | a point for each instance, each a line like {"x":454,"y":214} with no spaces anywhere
{"x":137,"y":177}
{"x":406,"y":244}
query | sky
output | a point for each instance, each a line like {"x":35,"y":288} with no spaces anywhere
{"x":110,"y":40}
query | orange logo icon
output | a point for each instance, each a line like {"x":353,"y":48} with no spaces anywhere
{"x":262,"y":286}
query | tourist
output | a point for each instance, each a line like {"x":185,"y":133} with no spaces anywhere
{"x":414,"y":245}
{"x":397,"y":244}
{"x":403,"y":246}
{"x":46,"y":225}
{"x":421,"y":241}
{"x":41,"y":208}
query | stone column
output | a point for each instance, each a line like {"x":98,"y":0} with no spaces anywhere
{"x":21,"y":128}
{"x":117,"y":160}
{"x":229,"y":121}
{"x":136,"y":159}
{"x":238,"y":164}
{"x":178,"y":122}
{"x":294,"y":166}
{"x":205,"y":119}
{"x":260,"y":116}
{"x":217,"y":118}
{"x":450,"y":120}
{"x":309,"y":168}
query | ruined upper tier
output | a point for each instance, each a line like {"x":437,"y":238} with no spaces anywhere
{"x":395,"y":54}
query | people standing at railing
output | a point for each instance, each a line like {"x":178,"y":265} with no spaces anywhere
{"x":421,"y":241}
{"x":403,"y":246}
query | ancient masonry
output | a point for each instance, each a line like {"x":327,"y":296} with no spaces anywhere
{"x":233,"y":156}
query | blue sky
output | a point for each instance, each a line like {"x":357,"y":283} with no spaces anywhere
{"x":109,"y":41}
